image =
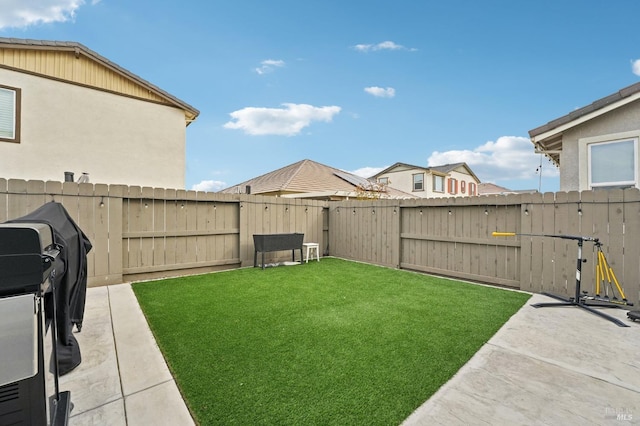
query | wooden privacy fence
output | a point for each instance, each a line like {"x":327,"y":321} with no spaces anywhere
{"x":453,"y":237}
{"x":143,"y":233}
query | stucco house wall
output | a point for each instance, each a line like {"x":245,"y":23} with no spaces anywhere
{"x":621,"y":123}
{"x":403,"y":180}
{"x":116,"y":139}
{"x":400,"y":176}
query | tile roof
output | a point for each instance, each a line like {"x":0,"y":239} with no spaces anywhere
{"x":600,"y":103}
{"x":443,"y":169}
{"x":548,"y":137}
{"x":306,"y":176}
{"x":493,"y":189}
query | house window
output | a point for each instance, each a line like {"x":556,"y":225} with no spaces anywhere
{"x":418,"y":182}
{"x":9,"y":114}
{"x":383,"y":180}
{"x":438,"y":183}
{"x":453,"y":186}
{"x":463,"y":186}
{"x":613,"y":164}
{"x":472,"y":188}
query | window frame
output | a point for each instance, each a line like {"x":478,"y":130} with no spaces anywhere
{"x":463,"y":186}
{"x":612,"y":183}
{"x":472,"y":188}
{"x":452,"y":186}
{"x":413,"y":180}
{"x":443,"y":180}
{"x":383,"y":181}
{"x":17,"y":107}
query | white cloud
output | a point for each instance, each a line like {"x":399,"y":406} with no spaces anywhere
{"x":23,"y":13}
{"x":509,"y":157}
{"x":209,"y":186}
{"x":367,"y":172}
{"x":288,"y":121}
{"x":385,"y":45}
{"x":268,"y":65}
{"x":381,"y":92}
{"x":635,"y":67}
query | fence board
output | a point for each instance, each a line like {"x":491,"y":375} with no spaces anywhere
{"x":631,"y":268}
{"x":614,"y":251}
{"x":171,"y":206}
{"x":159,"y":211}
{"x":562,"y":278}
{"x":469,"y":213}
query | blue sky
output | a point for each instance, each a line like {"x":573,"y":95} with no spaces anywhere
{"x":358,"y":85}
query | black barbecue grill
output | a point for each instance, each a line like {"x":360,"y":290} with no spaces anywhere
{"x":29,"y":261}
{"x":27,"y":255}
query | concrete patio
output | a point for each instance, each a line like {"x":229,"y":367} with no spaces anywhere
{"x":123,"y":379}
{"x":545,"y":366}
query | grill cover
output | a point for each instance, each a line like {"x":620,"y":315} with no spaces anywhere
{"x":70,"y":282}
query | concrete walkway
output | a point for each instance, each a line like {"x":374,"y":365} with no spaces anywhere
{"x":122,"y":379}
{"x":546,"y":366}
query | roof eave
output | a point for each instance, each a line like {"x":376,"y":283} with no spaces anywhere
{"x":540,"y":134}
{"x":547,"y":139}
{"x":191,"y":113}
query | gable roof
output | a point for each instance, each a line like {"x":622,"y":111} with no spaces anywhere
{"x":75,"y":63}
{"x":396,"y":166}
{"x":308,"y":177}
{"x":444,"y":169}
{"x":548,"y":137}
{"x":448,"y":168}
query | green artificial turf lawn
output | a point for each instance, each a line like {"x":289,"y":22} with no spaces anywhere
{"x":330,"y":342}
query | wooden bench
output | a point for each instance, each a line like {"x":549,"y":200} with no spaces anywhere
{"x":277,"y":242}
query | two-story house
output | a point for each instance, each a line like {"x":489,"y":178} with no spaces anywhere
{"x":313,"y":180}
{"x":449,"y":180}
{"x":65,"y":108}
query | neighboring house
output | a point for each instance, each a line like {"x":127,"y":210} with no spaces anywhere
{"x":450,"y":180}
{"x":65,"y":108}
{"x":309,"y":179}
{"x":595,"y":146}
{"x":493,"y":189}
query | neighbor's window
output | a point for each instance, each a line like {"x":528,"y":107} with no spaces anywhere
{"x":613,"y":164}
{"x":453,"y":186}
{"x":438,"y":183}
{"x":383,"y":180}
{"x":9,"y":114}
{"x":418,"y":182}
{"x":463,"y":186}
{"x":472,"y":188}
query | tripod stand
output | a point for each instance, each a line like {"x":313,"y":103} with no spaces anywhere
{"x":577,"y":301}
{"x":603,"y":270}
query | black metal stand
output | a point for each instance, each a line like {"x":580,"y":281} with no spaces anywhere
{"x":577,"y":300}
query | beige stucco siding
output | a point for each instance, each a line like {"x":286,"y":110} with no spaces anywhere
{"x":402,"y":179}
{"x":623,"y":122}
{"x":116,"y":139}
